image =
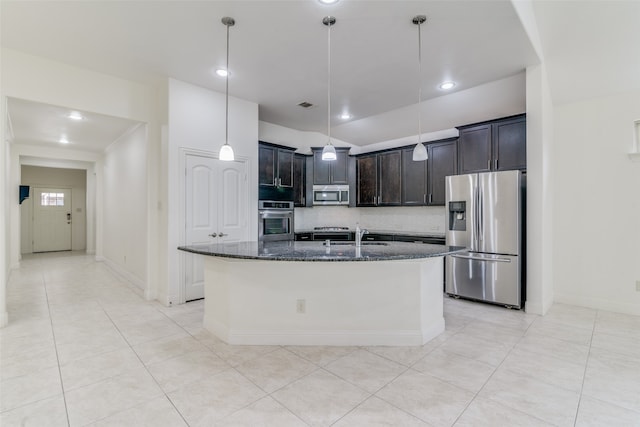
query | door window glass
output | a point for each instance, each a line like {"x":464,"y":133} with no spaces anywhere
{"x":52,"y":199}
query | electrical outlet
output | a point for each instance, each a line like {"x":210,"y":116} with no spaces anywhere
{"x":301,"y":306}
{"x":638,"y":285}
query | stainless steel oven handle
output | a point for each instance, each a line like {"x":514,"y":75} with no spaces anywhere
{"x":471,"y":257}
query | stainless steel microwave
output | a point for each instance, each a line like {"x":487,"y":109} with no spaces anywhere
{"x":330,"y":194}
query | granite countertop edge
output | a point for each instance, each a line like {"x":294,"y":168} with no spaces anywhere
{"x":388,"y":232}
{"x":317,"y":252}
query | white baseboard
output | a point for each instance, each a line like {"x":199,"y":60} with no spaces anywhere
{"x":599,"y":304}
{"x":128,"y":276}
{"x":326,"y":337}
{"x":4,"y":319}
{"x":100,"y":258}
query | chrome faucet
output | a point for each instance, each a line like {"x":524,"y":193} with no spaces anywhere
{"x":359,"y":233}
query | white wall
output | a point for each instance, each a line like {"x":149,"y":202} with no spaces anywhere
{"x":540,"y":189}
{"x":124,"y":242}
{"x":196,"y":121}
{"x":301,"y":140}
{"x":76,"y":180}
{"x":38,"y":79}
{"x":5,"y":256}
{"x":597,"y":204}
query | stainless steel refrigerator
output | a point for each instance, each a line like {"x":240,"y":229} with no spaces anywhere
{"x":485,"y":213}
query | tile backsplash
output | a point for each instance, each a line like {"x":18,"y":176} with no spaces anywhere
{"x":422,"y":219}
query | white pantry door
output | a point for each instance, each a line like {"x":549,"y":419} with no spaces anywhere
{"x":51,"y":219}
{"x":216,"y":211}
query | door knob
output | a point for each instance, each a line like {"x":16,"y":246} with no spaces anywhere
{"x":214,"y":235}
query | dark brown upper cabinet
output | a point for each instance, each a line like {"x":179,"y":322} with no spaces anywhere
{"x":275,"y":166}
{"x":423,"y":183}
{"x":414,"y":180}
{"x":367,"y":180}
{"x":379,"y":179}
{"x":442,"y":162}
{"x":300,"y":180}
{"x":493,"y":146}
{"x":331,"y":172}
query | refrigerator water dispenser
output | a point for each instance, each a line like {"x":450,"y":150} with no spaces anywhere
{"x":458,"y":216}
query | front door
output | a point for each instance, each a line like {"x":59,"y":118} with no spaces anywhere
{"x":51,"y":219}
{"x":215,"y":211}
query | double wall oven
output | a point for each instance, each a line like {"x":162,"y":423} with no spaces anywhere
{"x":275,"y":220}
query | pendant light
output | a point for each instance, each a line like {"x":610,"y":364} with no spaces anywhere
{"x":329,"y":151}
{"x":226,"y":152}
{"x":419,"y":151}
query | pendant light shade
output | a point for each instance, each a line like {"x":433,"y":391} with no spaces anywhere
{"x":226,"y":152}
{"x":419,"y":151}
{"x":329,"y":151}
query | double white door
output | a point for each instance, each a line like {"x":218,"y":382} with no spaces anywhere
{"x":216,"y":211}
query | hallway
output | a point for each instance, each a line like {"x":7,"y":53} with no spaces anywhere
{"x":84,"y":348}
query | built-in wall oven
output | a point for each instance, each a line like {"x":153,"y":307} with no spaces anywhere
{"x":275,"y":220}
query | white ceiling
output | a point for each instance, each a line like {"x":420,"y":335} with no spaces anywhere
{"x":278,"y":50}
{"x":278,"y":54}
{"x":44,"y":125}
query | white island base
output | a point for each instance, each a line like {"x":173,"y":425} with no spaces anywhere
{"x":390,"y":302}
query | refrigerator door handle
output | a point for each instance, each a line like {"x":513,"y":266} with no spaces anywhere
{"x":471,"y":257}
{"x":481,"y":215}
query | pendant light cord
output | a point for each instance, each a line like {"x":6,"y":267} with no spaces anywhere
{"x":226,"y":118}
{"x":419,"y":83}
{"x":329,"y":80}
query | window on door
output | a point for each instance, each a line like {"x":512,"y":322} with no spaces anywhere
{"x":52,"y":199}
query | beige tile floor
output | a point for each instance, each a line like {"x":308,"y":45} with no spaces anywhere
{"x":83,"y":348}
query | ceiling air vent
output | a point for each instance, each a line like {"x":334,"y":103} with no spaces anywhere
{"x":305,"y":104}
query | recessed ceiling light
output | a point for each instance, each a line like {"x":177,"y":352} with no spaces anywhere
{"x":447,"y":85}
{"x":328,"y":1}
{"x":345,"y":116}
{"x":64,"y":140}
{"x":74,"y":115}
{"x":221,"y":72}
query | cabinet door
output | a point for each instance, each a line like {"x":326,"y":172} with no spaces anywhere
{"x":390,"y":178}
{"x":442,"y":162}
{"x":366,"y":180}
{"x":321,"y":169}
{"x":340,"y":167}
{"x":414,"y":180}
{"x":474,"y":149}
{"x":510,"y":144}
{"x":267,"y":166}
{"x":299,"y":180}
{"x":285,"y":168}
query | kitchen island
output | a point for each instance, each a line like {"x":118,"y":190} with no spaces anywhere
{"x":308,"y":293}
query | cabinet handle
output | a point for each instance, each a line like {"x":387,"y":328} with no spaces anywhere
{"x":214,"y":235}
{"x":430,"y":197}
{"x":489,"y":164}
{"x":424,"y":198}
{"x":496,"y":164}
{"x":222,"y":235}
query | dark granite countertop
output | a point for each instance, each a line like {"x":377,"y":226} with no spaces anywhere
{"x":388,"y":232}
{"x":317,"y":251}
